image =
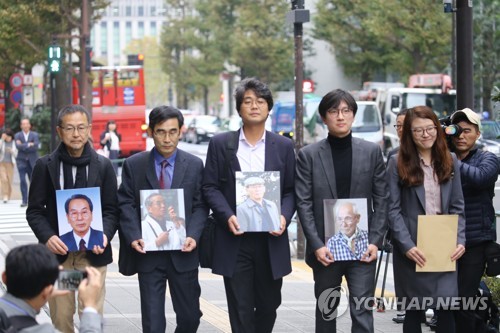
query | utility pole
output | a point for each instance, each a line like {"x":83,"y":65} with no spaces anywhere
{"x":85,"y":91}
{"x":465,"y":79}
{"x":298,"y":15}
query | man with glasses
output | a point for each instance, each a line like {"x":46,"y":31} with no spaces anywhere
{"x":164,"y":167}
{"x":345,"y":244}
{"x":73,"y":164}
{"x":158,"y":232}
{"x":341,"y":167}
{"x":83,"y":237}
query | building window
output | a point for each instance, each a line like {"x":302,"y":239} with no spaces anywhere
{"x":152,"y":11}
{"x":115,"y":11}
{"x":140,"y":30}
{"x":153,"y":29}
{"x":128,"y":11}
{"x":140,"y":11}
{"x":104,"y":38}
{"x":116,"y":38}
{"x":128,"y":32}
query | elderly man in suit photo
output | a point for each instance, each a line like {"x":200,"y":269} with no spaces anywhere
{"x":73,"y":164}
{"x":253,"y":263}
{"x":341,"y":167}
{"x":79,"y":212}
{"x":257,"y":213}
{"x":164,"y":167}
{"x":27,"y":144}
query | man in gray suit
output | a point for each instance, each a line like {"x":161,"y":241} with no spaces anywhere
{"x":30,"y":274}
{"x":164,"y":167}
{"x":341,"y":167}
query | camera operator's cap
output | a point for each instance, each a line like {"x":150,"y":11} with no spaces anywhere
{"x":254,"y":181}
{"x":468,"y":115}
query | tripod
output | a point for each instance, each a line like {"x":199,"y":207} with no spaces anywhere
{"x":387,"y":248}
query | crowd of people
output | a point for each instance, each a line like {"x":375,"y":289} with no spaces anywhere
{"x":161,"y":246}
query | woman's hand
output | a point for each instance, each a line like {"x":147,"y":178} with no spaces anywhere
{"x":416,"y":255}
{"x":459,"y":251}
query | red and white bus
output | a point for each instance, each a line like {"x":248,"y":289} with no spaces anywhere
{"x":118,"y":94}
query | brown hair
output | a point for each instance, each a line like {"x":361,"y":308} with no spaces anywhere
{"x":409,"y":169}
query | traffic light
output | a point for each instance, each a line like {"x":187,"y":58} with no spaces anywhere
{"x":88,"y":58}
{"x":135,"y":59}
{"x":55,"y":56}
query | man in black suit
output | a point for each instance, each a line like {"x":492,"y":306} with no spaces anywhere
{"x":253,"y":264}
{"x":79,"y":212}
{"x":27,"y":143}
{"x":74,"y":164}
{"x":164,"y":167}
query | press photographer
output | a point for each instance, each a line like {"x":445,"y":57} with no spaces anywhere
{"x":479,"y":171}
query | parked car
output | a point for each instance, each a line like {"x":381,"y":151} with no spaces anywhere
{"x":202,"y":128}
{"x":233,"y":123}
{"x":490,"y":137}
{"x":368,"y":123}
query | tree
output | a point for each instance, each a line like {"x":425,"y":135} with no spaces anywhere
{"x":486,"y":50}
{"x":385,"y":36}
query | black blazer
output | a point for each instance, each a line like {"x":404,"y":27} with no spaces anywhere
{"x":221,"y":198}
{"x":42,"y":206}
{"x":139,"y":174}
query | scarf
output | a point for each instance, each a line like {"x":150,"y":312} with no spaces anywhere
{"x":80,"y":163}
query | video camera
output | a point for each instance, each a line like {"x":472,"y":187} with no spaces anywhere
{"x":451,"y":131}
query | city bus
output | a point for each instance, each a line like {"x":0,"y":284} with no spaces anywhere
{"x":118,"y":94}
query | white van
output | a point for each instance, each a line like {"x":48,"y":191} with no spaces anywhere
{"x":368,"y":123}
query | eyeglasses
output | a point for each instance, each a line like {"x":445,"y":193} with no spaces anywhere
{"x":162,"y":134}
{"x":250,"y":101}
{"x":347,"y":219}
{"x":398,"y":126}
{"x":335,"y":112}
{"x":419,"y":131}
{"x":72,"y":129}
{"x":74,"y":215}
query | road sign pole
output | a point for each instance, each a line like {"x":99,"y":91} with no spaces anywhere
{"x":52,"y":112}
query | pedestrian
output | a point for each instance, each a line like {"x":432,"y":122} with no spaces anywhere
{"x":252,"y":263}
{"x":8,"y":153}
{"x":27,"y":144}
{"x":479,"y":171}
{"x":164,"y":167}
{"x":73,"y":164}
{"x":110,"y":141}
{"x":423,"y":180}
{"x":341,"y":167}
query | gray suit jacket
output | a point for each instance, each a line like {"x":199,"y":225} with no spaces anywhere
{"x":315,"y":181}
{"x":405,"y":204}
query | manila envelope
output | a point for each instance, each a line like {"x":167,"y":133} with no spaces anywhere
{"x":437,"y":239}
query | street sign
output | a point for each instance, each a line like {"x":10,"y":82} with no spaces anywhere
{"x":16,"y":80}
{"x":28,"y":80}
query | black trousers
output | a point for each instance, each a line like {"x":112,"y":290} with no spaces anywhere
{"x":253,"y":295}
{"x":445,"y":321}
{"x":185,"y":292}
{"x":470,"y":270}
{"x":360,"y":279}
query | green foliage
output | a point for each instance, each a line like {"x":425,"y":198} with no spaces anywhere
{"x":205,"y":38}
{"x":40,"y":122}
{"x":13,"y":120}
{"x":493,"y":284}
{"x":385,"y":36}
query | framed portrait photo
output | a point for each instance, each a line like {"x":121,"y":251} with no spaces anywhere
{"x":346,"y":228}
{"x":258,"y":204}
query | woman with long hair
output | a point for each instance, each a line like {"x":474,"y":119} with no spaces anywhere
{"x":8,"y":153}
{"x":424,"y":179}
{"x":110,"y":141}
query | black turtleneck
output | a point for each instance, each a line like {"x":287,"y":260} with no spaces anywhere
{"x":342,"y":163}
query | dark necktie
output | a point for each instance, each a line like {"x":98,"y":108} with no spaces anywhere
{"x":82,"y":245}
{"x":164,"y":177}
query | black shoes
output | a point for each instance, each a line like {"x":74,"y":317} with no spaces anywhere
{"x":24,"y":204}
{"x":399,"y":319}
